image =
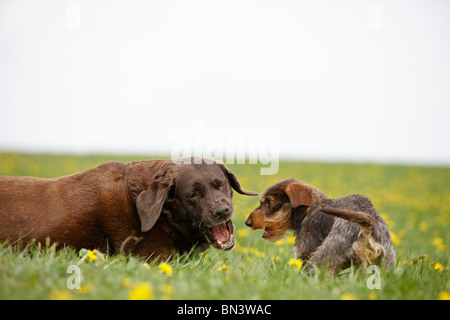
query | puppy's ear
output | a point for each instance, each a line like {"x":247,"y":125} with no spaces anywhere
{"x":149,"y":204}
{"x":234,"y":182}
{"x":299,"y":194}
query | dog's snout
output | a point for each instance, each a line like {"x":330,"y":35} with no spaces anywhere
{"x":221,"y":211}
{"x":248,"y":222}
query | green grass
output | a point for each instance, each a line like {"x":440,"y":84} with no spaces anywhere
{"x":415,"y":201}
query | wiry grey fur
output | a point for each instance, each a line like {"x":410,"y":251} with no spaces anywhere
{"x":324,"y":238}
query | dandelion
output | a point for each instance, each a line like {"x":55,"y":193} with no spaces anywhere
{"x":165,"y":268}
{"x":349,"y":296}
{"x":223,"y":267}
{"x":256,"y":252}
{"x":242,"y":233}
{"x":92,"y":255}
{"x":437,"y":266}
{"x":423,"y":226}
{"x":61,"y":295}
{"x":395,"y":239}
{"x":141,"y":291}
{"x":402,"y":262}
{"x":388,"y":220}
{"x":295,"y":262}
{"x":86,"y":288}
{"x":168,"y":289}
{"x":126,"y":282}
{"x":290,"y":240}
{"x":439,"y":244}
{"x":259,"y":253}
{"x":444,"y":295}
{"x":372,"y":296}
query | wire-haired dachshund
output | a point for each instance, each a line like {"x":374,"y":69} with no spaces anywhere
{"x":337,"y":233}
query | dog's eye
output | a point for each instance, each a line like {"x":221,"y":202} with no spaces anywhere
{"x":193,"y":196}
{"x":268,"y":202}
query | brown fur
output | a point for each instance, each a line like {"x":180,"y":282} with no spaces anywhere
{"x":149,"y":208}
{"x":338,"y":233}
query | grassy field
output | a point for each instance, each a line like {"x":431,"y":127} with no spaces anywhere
{"x":415,"y":202}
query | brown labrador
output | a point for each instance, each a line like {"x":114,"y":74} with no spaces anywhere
{"x":149,"y":208}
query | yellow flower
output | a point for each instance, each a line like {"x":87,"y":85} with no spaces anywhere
{"x":168,"y":289}
{"x":388,"y":220}
{"x":349,"y":296}
{"x":372,"y":296}
{"x":86,"y":288}
{"x":61,"y":295}
{"x":402,"y":262}
{"x":438,"y":266}
{"x":439,"y":244}
{"x":423,"y":226}
{"x":290,"y":239}
{"x":126,"y":283}
{"x":444,"y":295}
{"x":259,"y":253}
{"x":223,"y":267}
{"x":141,"y":291}
{"x":295,"y":262}
{"x":146,"y":266}
{"x":92,"y":255}
{"x":165,"y":268}
{"x":395,"y":239}
{"x":242,"y":233}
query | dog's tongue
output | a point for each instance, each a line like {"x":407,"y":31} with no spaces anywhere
{"x":220,"y":232}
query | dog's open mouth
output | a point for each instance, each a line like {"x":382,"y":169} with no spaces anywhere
{"x":223,"y":236}
{"x":271,"y":235}
{"x":266,"y":234}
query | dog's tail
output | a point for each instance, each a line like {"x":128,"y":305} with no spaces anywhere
{"x":366,"y":248}
{"x":355,"y":216}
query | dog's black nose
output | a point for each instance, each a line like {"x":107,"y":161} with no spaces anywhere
{"x":248,"y":222}
{"x":221,"y":211}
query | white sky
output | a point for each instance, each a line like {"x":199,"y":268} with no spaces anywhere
{"x":328,"y":80}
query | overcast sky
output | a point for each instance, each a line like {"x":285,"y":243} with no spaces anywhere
{"x":325,"y":80}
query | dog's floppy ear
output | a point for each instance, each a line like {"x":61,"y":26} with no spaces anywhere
{"x":299,"y":194}
{"x":149,"y":204}
{"x":234,"y":182}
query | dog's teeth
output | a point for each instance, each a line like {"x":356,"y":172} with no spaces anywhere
{"x":219,"y":243}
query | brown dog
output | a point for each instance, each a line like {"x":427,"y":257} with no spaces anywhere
{"x":146,"y":207}
{"x":338,"y":233}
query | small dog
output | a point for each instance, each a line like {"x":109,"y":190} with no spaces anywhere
{"x":337,"y":233}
